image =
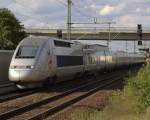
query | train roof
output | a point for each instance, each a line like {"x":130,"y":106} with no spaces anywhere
{"x":43,"y":38}
{"x":97,"y":47}
{"x":40,"y":39}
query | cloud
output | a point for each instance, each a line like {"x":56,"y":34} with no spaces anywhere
{"x":37,"y":12}
{"x":126,"y":20}
{"x":54,"y":12}
{"x":131,"y":20}
{"x":107,"y":10}
{"x":113,"y":10}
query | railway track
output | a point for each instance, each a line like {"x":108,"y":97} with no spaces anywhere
{"x":6,"y":85}
{"x":12,"y":93}
{"x":4,"y":82}
{"x":23,"y":93}
{"x":17,"y":94}
{"x":6,"y":88}
{"x":53,"y":104}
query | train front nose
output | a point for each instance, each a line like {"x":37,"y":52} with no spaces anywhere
{"x":19,"y":75}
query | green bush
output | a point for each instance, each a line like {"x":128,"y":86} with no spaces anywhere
{"x":140,"y":86}
{"x":131,"y":103}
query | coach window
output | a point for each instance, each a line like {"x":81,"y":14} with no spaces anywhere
{"x":93,"y":59}
{"x":62,"y":43}
{"x":90,"y":59}
{"x":63,"y":61}
{"x":99,"y":59}
{"x":101,"y":56}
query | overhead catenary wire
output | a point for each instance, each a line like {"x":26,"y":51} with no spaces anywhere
{"x":82,"y":13}
{"x":77,"y":10}
{"x":37,"y":17}
{"x":24,"y":15}
{"x":31,"y":11}
{"x":61,"y":2}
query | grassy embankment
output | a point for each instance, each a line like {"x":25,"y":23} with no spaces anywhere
{"x":131,"y":103}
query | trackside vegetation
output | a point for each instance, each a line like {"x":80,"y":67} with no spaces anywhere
{"x":11,"y":31}
{"x":131,"y":103}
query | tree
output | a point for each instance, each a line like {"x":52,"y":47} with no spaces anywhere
{"x":11,"y":31}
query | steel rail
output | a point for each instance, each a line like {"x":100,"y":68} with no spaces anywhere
{"x":6,"y":88}
{"x":67,"y":103}
{"x":17,"y":94}
{"x":32,"y":106}
{"x":6,"y":85}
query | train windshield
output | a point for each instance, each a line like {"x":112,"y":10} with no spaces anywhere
{"x":27,"y":52}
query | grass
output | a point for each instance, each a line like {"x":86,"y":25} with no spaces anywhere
{"x":132,"y":103}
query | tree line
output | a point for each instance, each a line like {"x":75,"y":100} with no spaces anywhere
{"x":11,"y":30}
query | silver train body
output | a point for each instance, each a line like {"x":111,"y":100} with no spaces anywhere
{"x":37,"y":59}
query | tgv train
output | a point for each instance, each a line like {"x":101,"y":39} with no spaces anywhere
{"x":38,"y":59}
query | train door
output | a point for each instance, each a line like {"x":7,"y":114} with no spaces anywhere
{"x":86,"y":60}
{"x":107,"y":60}
{"x":105,"y":54}
{"x":116,"y":60}
{"x":51,"y":58}
{"x":101,"y":56}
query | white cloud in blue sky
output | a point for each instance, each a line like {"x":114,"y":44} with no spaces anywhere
{"x":48,"y":13}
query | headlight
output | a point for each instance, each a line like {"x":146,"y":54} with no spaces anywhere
{"x":12,"y":67}
{"x":22,"y":67}
{"x":29,"y":67}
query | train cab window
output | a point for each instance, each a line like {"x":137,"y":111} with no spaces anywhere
{"x":27,"y":52}
{"x":93,"y":60}
{"x":62,"y":43}
{"x":90,"y":59}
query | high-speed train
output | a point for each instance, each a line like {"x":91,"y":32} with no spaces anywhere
{"x":38,"y":59}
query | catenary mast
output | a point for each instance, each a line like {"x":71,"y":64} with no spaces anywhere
{"x":69,"y":20}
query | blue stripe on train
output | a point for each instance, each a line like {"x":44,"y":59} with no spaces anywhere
{"x":63,"y":61}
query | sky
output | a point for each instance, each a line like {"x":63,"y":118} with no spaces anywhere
{"x":53,"y":13}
